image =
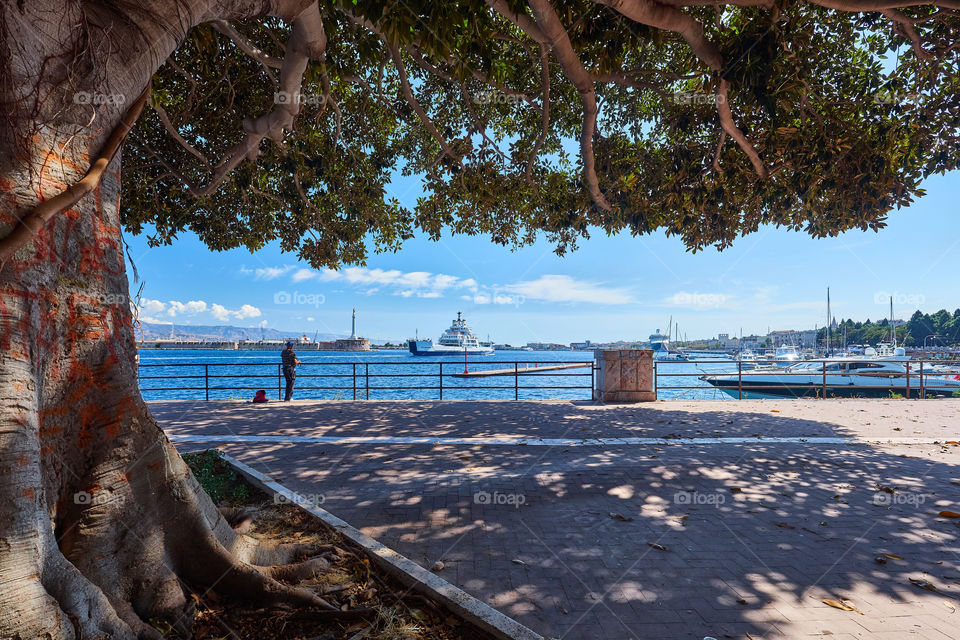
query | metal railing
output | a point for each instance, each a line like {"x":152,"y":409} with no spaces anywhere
{"x":356,"y":380}
{"x":741,"y":378}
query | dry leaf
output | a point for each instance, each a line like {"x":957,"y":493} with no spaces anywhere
{"x":519,"y":562}
{"x":949,"y":606}
{"x":617,"y":516}
{"x":658,"y":547}
{"x":784,"y":525}
{"x":892,"y":556}
{"x":954,"y":443}
{"x":923,"y":584}
{"x":843,"y":605}
{"x":437,"y":566}
{"x":774,"y":410}
{"x":949,"y":514}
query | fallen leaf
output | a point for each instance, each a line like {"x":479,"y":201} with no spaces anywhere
{"x":891,"y":556}
{"x":658,"y":547}
{"x":880,"y":487}
{"x":774,"y":410}
{"x":954,"y":443}
{"x":949,"y":514}
{"x":519,"y":562}
{"x":741,"y":601}
{"x":437,"y":566}
{"x":736,"y":490}
{"x":843,"y":605}
{"x":923,"y":584}
{"x":617,"y":516}
{"x":784,"y":525}
{"x":949,"y":606}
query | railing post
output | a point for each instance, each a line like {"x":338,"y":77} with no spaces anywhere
{"x":824,"y":393}
{"x":441,"y":380}
{"x":516,"y":379}
{"x":279,"y":382}
{"x":366,"y":378}
{"x":354,"y":380}
{"x":908,"y":381}
{"x":739,"y":379}
{"x":206,"y":380}
{"x":922,"y":394}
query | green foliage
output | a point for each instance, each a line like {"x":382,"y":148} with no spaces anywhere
{"x":846,"y":117}
{"x":943,"y":324}
{"x":216,"y":477}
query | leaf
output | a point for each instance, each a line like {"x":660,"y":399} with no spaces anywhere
{"x":784,"y":525}
{"x":949,"y":606}
{"x":842,"y":605}
{"x":617,"y":516}
{"x":892,"y":556}
{"x":954,"y":443}
{"x":923,"y":584}
{"x":658,"y":547}
{"x":949,"y":514}
{"x":519,"y":562}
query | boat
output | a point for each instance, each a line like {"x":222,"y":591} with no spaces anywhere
{"x":455,"y":341}
{"x":660,"y":344}
{"x":885,"y":372}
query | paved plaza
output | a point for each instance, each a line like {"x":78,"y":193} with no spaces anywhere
{"x":666,"y":520}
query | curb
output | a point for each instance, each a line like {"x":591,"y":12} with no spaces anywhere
{"x":405,"y":570}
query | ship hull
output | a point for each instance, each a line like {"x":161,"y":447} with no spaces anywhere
{"x":427,"y":348}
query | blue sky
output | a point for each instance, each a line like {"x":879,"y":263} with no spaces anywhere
{"x":611,"y":288}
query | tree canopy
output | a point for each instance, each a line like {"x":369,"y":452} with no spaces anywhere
{"x":703,"y":119}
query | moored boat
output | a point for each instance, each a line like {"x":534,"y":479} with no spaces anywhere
{"x":455,"y":341}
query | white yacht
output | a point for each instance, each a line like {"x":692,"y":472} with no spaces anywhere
{"x":455,"y":341}
{"x":882,"y":373}
{"x":661,"y":348}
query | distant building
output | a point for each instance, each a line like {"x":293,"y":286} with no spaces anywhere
{"x":805,"y":339}
{"x":586,"y":345}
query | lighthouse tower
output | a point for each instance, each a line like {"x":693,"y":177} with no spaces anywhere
{"x":353,"y":330}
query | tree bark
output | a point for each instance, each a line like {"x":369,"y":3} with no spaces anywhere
{"x":103,"y":524}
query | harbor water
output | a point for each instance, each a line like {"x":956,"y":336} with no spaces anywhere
{"x":236,"y":375}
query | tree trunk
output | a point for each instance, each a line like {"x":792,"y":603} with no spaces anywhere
{"x":103,"y":525}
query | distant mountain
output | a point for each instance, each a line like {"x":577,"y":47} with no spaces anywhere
{"x":153,"y":331}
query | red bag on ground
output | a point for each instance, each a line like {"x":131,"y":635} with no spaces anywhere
{"x":261,"y":396}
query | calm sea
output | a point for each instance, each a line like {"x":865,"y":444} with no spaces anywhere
{"x":386,"y":375}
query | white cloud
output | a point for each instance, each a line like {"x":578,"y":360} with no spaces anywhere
{"x":223,"y":314}
{"x":151,"y":307}
{"x":418,"y":284}
{"x":193,"y":307}
{"x":562,"y":288}
{"x":267,"y":273}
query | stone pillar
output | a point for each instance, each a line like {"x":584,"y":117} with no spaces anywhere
{"x":624,"y":375}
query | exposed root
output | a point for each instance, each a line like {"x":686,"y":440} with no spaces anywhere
{"x":296,"y":572}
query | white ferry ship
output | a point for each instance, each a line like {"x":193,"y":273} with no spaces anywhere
{"x":454,"y":342}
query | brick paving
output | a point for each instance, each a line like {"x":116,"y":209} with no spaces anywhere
{"x":749,"y":538}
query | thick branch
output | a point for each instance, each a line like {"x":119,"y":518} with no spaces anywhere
{"x":549,"y":23}
{"x":521,"y":20}
{"x":36,"y":218}
{"x":172,"y":130}
{"x":544,"y":112}
{"x":726,"y":121}
{"x":415,"y":105}
{"x":308,"y":40}
{"x":904,"y":26}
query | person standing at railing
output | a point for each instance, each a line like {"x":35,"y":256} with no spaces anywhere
{"x":288,"y":358}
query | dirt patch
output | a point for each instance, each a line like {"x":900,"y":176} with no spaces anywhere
{"x":373,"y":605}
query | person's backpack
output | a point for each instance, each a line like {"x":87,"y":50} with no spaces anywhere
{"x":261,"y":396}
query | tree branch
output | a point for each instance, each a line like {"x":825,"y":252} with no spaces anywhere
{"x":551,"y":27}
{"x":36,"y":218}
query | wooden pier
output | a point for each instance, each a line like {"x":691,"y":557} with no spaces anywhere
{"x":510,"y":372}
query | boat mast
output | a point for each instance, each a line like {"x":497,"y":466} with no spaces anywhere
{"x":893,"y":333}
{"x":829,"y":322}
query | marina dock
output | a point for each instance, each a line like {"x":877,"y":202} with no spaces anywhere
{"x":510,"y":372}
